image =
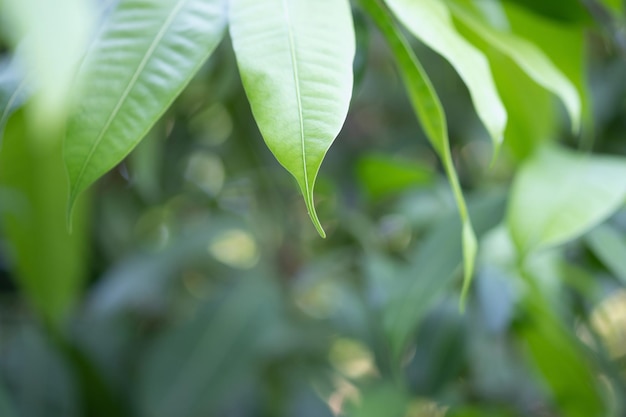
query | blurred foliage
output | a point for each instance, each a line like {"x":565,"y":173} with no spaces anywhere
{"x":192,"y":283}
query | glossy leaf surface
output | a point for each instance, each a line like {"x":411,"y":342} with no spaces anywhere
{"x":146,"y":54}
{"x":431,"y":22}
{"x":295,"y":59}
{"x":559,"y":195}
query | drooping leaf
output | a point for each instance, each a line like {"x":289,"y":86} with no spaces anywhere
{"x":49,"y":262}
{"x":145,"y":55}
{"x":430,"y":112}
{"x":529,"y":58}
{"x":431,"y":22}
{"x":295,"y":59}
{"x":558,"y":195}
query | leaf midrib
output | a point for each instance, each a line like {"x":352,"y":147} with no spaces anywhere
{"x":296,"y":76}
{"x":170,"y":18}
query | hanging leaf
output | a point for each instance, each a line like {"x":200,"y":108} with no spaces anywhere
{"x":530,"y":59}
{"x":559,"y":195}
{"x":433,"y":120}
{"x":147,"y":53}
{"x":295,"y":59}
{"x":609,"y":245}
{"x":431,"y":22}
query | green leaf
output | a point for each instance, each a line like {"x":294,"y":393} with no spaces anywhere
{"x":146,"y":54}
{"x":558,"y":195}
{"x":295,"y":59}
{"x":399,"y":175}
{"x":610,"y":247}
{"x":49,"y":263}
{"x":530,"y":59}
{"x":430,"y":113}
{"x":431,"y":22}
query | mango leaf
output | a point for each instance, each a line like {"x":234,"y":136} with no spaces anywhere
{"x":48,"y":261}
{"x":127,"y":85}
{"x":609,"y":246}
{"x":431,"y":22}
{"x":295,"y":59}
{"x":430,"y":113}
{"x":558,"y":195}
{"x":529,"y":58}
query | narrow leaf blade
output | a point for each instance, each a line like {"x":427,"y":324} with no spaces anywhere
{"x":295,"y":59}
{"x":431,"y":22}
{"x":430,"y":113}
{"x":147,"y":53}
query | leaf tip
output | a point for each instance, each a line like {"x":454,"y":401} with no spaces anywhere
{"x":308,"y":199}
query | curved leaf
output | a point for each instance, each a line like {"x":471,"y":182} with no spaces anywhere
{"x":431,"y":22}
{"x":12,"y":92}
{"x":295,"y":59}
{"x":430,"y":112}
{"x":559,"y":195}
{"x":147,"y":53}
{"x":530,"y":59}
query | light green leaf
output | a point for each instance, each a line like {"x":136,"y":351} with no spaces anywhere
{"x":431,"y":22}
{"x":530,"y":59}
{"x":609,"y":246}
{"x":616,"y":6}
{"x":559,"y":195}
{"x":430,"y":113}
{"x":146,"y":54}
{"x":49,"y":262}
{"x":295,"y":59}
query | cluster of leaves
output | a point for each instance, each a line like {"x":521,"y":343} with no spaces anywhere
{"x":250,"y":327}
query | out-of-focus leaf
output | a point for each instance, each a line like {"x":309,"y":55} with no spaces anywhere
{"x":295,"y":59}
{"x":559,"y":360}
{"x":610,"y":247}
{"x":384,"y":399}
{"x":193,"y":368}
{"x":6,"y":406}
{"x":48,"y":261}
{"x":52,"y":37}
{"x":558,"y":195}
{"x":615,"y":6}
{"x":430,"y":113}
{"x":127,"y":85}
{"x":431,"y":22}
{"x":12,"y":94}
{"x":563,"y":11}
{"x":432,"y":272}
{"x":382,"y":175}
{"x":530,"y":59}
{"x":38,"y":379}
{"x":564,"y":43}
